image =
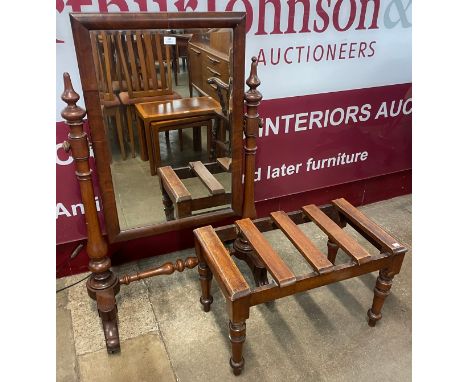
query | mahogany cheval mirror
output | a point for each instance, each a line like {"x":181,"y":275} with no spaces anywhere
{"x":164,"y":97}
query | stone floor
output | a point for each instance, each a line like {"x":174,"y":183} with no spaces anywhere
{"x":320,"y":335}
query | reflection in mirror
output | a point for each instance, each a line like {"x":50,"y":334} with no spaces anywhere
{"x":166,"y":104}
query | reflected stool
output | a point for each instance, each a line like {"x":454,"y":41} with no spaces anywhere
{"x":177,"y":199}
{"x":250,"y":245}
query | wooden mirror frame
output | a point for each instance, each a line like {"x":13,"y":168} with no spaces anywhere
{"x":82,"y":24}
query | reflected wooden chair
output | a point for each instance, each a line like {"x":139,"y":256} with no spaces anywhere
{"x":181,"y":51}
{"x":105,"y":66}
{"x":144,"y":62}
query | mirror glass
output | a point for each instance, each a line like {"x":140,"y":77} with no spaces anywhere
{"x":166,"y":106}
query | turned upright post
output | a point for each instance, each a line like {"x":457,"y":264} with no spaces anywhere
{"x":103,"y":285}
{"x":252,"y":122}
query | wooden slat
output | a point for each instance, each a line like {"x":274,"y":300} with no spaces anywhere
{"x":97,"y":59}
{"x":162,"y":73}
{"x":336,"y":234}
{"x":131,"y":54}
{"x":275,"y":265}
{"x":207,"y":178}
{"x":151,"y":59}
{"x":266,"y":224}
{"x":314,"y":257}
{"x":123,"y":60}
{"x":107,"y":65}
{"x":362,"y":223}
{"x":225,"y":163}
{"x":186,"y":172}
{"x":142,"y":60}
{"x":221,"y":264}
{"x":168,"y":67}
{"x":176,"y":189}
{"x":118,"y":67}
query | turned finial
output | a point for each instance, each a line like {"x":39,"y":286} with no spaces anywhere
{"x":73,"y":112}
{"x":253,"y":95}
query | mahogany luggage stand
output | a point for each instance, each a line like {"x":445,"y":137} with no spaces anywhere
{"x":251,"y":246}
{"x":215,"y":259}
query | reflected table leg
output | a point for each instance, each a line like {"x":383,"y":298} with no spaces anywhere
{"x":197,"y":144}
{"x":153,"y":147}
{"x":142,"y":139}
{"x":149,"y":144}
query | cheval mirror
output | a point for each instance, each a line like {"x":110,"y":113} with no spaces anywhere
{"x":164,"y":97}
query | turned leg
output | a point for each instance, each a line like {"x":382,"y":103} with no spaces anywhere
{"x":214,"y":137}
{"x":168,"y":205}
{"x":237,"y":337}
{"x":220,"y":152}
{"x":260,"y":276}
{"x":205,"y":277}
{"x":381,"y":291}
{"x":332,"y":251}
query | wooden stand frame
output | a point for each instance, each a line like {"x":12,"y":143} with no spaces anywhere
{"x":103,"y":284}
{"x":215,"y":260}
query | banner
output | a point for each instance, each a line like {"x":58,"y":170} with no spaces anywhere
{"x":336,"y":82}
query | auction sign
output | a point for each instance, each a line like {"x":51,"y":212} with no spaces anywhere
{"x":336,"y":85}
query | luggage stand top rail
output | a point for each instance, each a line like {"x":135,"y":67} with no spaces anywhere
{"x":330,"y":219}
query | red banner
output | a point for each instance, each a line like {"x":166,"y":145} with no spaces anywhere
{"x":321,"y":140}
{"x":306,"y":143}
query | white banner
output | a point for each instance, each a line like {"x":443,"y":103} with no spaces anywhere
{"x":304,"y":47}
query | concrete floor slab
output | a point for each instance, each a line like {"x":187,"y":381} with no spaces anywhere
{"x":143,"y":359}
{"x":65,"y":348}
{"x":61,"y":297}
{"x":135,"y":314}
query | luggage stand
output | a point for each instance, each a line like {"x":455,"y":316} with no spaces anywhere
{"x":215,"y":259}
{"x":178,"y":201}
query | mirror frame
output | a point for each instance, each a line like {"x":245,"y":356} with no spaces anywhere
{"x":82,"y":24}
